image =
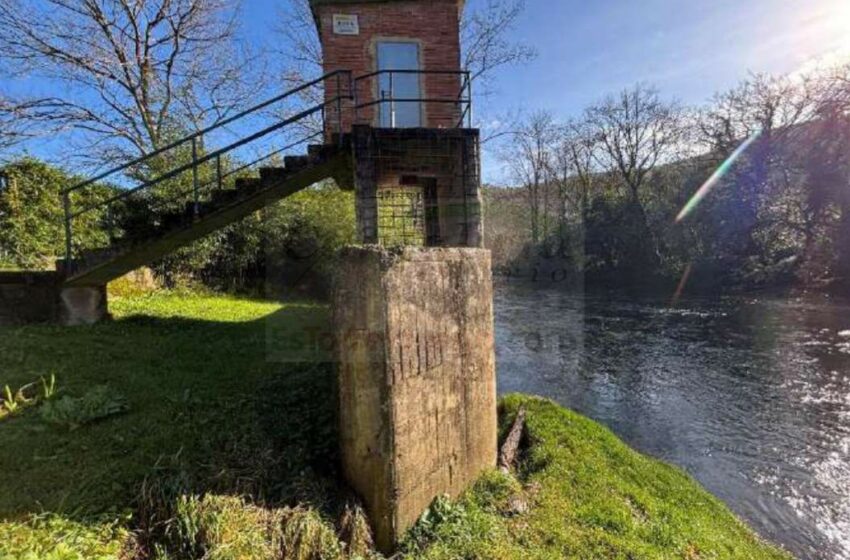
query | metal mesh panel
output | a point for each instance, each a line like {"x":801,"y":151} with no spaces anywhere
{"x":401,"y":216}
{"x":445,"y":162}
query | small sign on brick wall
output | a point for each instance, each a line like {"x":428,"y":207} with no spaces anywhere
{"x":346,"y":24}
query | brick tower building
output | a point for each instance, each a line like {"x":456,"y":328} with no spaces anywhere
{"x":412,"y":304}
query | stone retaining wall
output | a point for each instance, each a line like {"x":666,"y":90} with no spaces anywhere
{"x":28,"y":297}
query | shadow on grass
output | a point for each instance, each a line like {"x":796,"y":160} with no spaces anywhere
{"x":215,"y":407}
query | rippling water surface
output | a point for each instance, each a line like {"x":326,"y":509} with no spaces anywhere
{"x":750,"y":395}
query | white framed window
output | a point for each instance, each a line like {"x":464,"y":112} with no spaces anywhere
{"x":399,"y":55}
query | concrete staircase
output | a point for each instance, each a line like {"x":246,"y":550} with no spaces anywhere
{"x":220,"y":207}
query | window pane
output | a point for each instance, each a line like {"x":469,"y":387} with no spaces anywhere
{"x":399,"y":56}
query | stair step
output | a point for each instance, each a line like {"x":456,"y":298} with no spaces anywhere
{"x":174,"y":220}
{"x":247,"y":185}
{"x":273,"y":173}
{"x":296,"y":163}
{"x":315,"y":152}
{"x":320,"y":152}
{"x":94,"y":257}
{"x":223,"y":196}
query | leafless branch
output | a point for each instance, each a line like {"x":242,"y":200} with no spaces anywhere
{"x":636,"y":131}
{"x":136,"y":72}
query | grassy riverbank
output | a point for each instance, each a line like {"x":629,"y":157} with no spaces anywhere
{"x":189,"y":427}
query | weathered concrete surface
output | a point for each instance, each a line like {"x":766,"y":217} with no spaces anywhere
{"x":28,"y":297}
{"x":414,"y":331}
{"x":82,"y":305}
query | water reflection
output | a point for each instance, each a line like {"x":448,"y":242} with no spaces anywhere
{"x":749,"y":395}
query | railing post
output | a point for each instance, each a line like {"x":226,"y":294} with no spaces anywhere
{"x":218,"y":171}
{"x":66,"y":204}
{"x":110,"y":223}
{"x":469,"y":96}
{"x":392,"y":101}
{"x":339,"y":107}
{"x":197,"y":207}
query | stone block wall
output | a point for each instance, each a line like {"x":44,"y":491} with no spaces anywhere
{"x":83,"y":305}
{"x":414,"y":330}
{"x":28,"y":297}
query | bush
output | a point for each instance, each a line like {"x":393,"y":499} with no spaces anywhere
{"x":31,"y":215}
{"x":288,"y":246}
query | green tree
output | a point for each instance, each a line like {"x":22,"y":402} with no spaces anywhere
{"x":32,"y":233}
{"x":291,"y":244}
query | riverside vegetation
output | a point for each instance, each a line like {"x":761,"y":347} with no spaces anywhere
{"x":205,"y":448}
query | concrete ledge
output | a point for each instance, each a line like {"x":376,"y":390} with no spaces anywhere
{"x":28,"y":297}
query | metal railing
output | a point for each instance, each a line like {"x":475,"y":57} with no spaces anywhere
{"x":387,"y":97}
{"x":194,"y":141}
{"x":200,"y":160}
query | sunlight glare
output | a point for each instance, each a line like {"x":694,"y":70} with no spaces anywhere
{"x":828,"y":37}
{"x":712,"y":181}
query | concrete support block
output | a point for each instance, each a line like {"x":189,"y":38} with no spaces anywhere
{"x":417,"y":384}
{"x":83,"y":305}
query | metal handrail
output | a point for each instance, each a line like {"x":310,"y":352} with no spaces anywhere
{"x":197,"y":161}
{"x":220,"y":176}
{"x":464,"y":97}
{"x":221,"y":124}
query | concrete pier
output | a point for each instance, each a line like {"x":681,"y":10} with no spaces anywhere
{"x":83,"y":305}
{"x":414,"y":329}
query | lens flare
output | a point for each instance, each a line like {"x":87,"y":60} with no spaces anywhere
{"x":683,"y":281}
{"x":718,"y":174}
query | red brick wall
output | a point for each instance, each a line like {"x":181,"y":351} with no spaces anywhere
{"x":433,"y":23}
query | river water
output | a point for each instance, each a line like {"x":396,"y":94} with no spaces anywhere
{"x":750,"y":395}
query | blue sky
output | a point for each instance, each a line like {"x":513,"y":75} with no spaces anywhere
{"x":689,"y":49}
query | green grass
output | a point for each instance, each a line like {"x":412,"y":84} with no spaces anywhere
{"x":224,"y":447}
{"x":589,"y":496}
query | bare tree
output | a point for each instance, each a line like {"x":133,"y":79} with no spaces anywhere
{"x":136,"y":73}
{"x":636,"y":131}
{"x":22,"y":120}
{"x":529,"y":161}
{"x":485,"y":41}
{"x":765,"y":190}
{"x":573,"y":170}
{"x":824,"y":155}
{"x":760,"y":104}
{"x":302,"y":49}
